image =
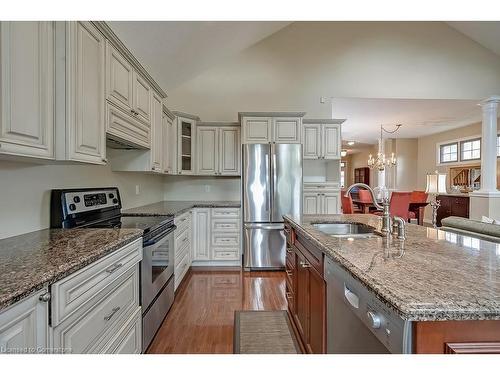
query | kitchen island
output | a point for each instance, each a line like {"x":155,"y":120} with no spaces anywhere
{"x":446,"y":285}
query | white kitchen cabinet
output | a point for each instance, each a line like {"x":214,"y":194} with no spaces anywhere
{"x":321,"y":200}
{"x":257,"y":129}
{"x":287,"y":130}
{"x":312,"y":141}
{"x":157,"y":147}
{"x":322,"y":140}
{"x":183,"y":247}
{"x":186,"y":143}
{"x":216,"y":233}
{"x":27,"y":88}
{"x":169,"y":142}
{"x":275,"y":127}
{"x":218,"y":150}
{"x":81,"y":116}
{"x":24,"y":325}
{"x":312,"y":203}
{"x":207,"y":150}
{"x":119,"y":79}
{"x":142,"y":97}
{"x":229,"y":150}
{"x":201,"y":234}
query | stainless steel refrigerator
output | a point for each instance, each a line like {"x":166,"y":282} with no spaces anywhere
{"x":272,"y":187}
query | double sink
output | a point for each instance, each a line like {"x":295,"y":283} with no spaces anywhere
{"x":346,"y":230}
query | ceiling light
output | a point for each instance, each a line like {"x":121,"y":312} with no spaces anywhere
{"x":350,"y":143}
{"x":343,"y":153}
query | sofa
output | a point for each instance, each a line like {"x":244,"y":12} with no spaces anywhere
{"x":473,"y":228}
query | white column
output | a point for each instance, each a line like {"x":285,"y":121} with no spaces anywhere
{"x":381,"y":174}
{"x":489,"y":146}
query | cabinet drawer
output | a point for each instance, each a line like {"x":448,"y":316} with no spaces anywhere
{"x":125,"y":128}
{"x":220,"y":212}
{"x":226,"y":239}
{"x":182,"y":239}
{"x":183,"y":222}
{"x":129,"y":339}
{"x":85,"y":332}
{"x":84,"y":286}
{"x":225,"y":225}
{"x":181,"y":252}
{"x":290,"y":256}
{"x":180,"y":270}
{"x":225,"y":253}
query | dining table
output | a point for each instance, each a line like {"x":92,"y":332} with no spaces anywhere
{"x":418,"y":208}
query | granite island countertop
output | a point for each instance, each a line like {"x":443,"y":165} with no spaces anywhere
{"x":432,"y":275}
{"x":176,"y":208}
{"x":30,"y":261}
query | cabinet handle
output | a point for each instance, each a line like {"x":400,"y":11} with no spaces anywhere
{"x":113,"y":268}
{"x":289,"y":250}
{"x":45,"y":297}
{"x":289,"y":273}
{"x":113,"y":312}
{"x":104,"y":160}
{"x":153,"y":168}
{"x":304,"y":265}
{"x":288,"y":295}
{"x":184,"y":239}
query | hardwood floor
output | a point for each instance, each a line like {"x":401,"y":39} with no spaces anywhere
{"x":201,"y":319}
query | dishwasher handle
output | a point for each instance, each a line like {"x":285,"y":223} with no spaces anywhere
{"x":351,"y":297}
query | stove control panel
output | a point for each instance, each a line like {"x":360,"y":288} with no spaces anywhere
{"x":75,"y":202}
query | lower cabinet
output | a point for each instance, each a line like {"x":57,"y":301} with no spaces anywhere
{"x":452,"y":206}
{"x":93,"y":310}
{"x":24,"y":325}
{"x":182,"y":247}
{"x":216,"y":235}
{"x":321,"y":202}
{"x":306,"y":293}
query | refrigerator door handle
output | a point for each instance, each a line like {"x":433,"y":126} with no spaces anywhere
{"x":265,"y":226}
{"x":268,"y":200}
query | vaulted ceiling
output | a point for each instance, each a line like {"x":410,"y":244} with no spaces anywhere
{"x":176,"y":51}
{"x":485,"y":33}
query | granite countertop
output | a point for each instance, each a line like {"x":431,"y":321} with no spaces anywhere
{"x":176,"y":208}
{"x":432,"y":275}
{"x":29,"y":262}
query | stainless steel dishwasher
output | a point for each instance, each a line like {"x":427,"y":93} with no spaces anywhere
{"x":357,"y":321}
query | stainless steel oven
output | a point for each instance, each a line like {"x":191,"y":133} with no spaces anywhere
{"x":157,"y":282}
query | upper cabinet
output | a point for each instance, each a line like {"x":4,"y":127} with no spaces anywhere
{"x":276,"y":127}
{"x":27,"y":89}
{"x":129,"y":101}
{"x":169,"y":142}
{"x":82,"y":128}
{"x":218,"y":149}
{"x":186,"y":143}
{"x":157,"y":148}
{"x":322,"y":139}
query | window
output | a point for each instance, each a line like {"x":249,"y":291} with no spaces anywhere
{"x":470,"y":150}
{"x":448,"y":153}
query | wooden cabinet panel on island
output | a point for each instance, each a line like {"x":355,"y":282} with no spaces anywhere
{"x":27,"y":89}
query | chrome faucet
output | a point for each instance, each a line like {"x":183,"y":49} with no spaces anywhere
{"x":399,"y":227}
{"x":384,"y":207}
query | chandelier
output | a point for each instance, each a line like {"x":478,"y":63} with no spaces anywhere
{"x":382,"y":162}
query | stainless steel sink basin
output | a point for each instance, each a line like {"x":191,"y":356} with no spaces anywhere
{"x":346,"y":230}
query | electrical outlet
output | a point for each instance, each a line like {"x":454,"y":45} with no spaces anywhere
{"x":137,"y":189}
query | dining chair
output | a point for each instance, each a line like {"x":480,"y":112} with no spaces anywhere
{"x":417,"y":196}
{"x":347,"y":206}
{"x":399,"y":205}
{"x":365,"y":195}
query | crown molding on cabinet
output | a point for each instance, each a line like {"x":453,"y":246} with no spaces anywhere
{"x":186,"y":115}
{"x":323,"y":121}
{"x":166,"y":111}
{"x":270,"y":114}
{"x":218,"y":123}
{"x":118,"y":44}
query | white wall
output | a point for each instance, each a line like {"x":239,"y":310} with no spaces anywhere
{"x":406,"y":150}
{"x":187,"y":188}
{"x":291,"y":69}
{"x":25,"y":191}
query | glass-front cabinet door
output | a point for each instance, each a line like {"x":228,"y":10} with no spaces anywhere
{"x":186,"y":145}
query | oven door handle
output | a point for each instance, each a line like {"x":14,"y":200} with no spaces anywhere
{"x":159,"y":237}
